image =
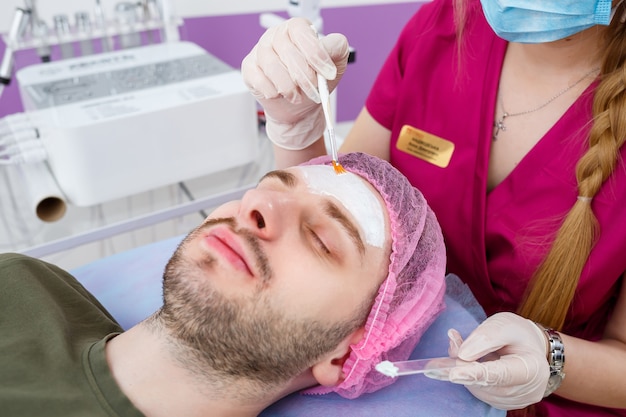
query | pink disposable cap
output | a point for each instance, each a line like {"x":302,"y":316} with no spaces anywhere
{"x":412,"y":295}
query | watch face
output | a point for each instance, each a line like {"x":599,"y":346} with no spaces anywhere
{"x":553,"y":383}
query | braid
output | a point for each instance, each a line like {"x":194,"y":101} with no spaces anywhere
{"x":552,"y":288}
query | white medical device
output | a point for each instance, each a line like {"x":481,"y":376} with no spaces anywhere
{"x":124,"y":122}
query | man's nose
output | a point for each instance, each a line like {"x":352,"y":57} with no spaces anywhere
{"x":267,"y":214}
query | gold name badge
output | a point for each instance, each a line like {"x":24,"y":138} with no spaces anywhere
{"x":425,"y":146}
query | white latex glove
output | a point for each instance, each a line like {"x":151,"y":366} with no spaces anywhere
{"x":515,"y":380}
{"x":281,"y":72}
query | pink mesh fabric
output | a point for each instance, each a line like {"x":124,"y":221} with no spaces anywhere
{"x":411,"y":297}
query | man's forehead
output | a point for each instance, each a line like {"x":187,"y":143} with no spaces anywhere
{"x":354,"y":193}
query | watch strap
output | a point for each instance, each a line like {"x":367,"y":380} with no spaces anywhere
{"x":556,"y":360}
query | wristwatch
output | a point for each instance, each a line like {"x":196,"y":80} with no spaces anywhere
{"x":556,"y":360}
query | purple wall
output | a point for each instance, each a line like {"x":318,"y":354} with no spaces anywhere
{"x":371,"y":30}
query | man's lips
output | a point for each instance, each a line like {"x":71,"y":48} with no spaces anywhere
{"x":227,"y":245}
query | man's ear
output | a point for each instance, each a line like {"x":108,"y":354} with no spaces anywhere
{"x":328,"y":371}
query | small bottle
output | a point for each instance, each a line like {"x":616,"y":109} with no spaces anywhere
{"x":153,"y":15}
{"x":40,"y":31}
{"x":127,"y":17}
{"x":62,"y":29}
{"x":101,"y":24}
{"x":83,"y":25}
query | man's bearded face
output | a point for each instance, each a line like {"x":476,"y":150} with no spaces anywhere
{"x":242,"y":337}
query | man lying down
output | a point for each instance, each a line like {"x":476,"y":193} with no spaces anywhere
{"x":306,"y":283}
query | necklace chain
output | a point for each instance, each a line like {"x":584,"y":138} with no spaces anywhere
{"x":499,"y":123}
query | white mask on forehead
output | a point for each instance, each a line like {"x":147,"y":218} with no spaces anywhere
{"x":350,"y":190}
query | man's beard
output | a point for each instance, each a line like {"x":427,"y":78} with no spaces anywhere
{"x":241,"y":337}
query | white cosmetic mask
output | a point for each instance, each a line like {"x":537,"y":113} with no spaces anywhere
{"x":350,"y":190}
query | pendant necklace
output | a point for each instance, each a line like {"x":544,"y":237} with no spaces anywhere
{"x":499,"y":125}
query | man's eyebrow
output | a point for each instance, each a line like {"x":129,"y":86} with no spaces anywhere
{"x":333,"y":211}
{"x":287,"y":178}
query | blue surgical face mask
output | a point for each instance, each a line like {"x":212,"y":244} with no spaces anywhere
{"x":538,"y":21}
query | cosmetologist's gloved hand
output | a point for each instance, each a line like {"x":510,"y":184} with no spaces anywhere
{"x":280,"y":71}
{"x":515,"y":380}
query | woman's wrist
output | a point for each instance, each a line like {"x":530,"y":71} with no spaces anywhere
{"x":555,"y":356}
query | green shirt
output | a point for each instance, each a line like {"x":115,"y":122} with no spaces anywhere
{"x":52,"y":338}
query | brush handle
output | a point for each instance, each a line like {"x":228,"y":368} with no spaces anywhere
{"x":420,"y":366}
{"x":322,"y":86}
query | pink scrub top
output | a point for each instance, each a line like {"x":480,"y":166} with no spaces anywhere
{"x":496,"y":240}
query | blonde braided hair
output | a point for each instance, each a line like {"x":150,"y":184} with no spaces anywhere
{"x":552,"y":288}
{"x":551,"y":291}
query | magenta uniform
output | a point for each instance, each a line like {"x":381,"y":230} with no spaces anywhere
{"x":495,"y":240}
